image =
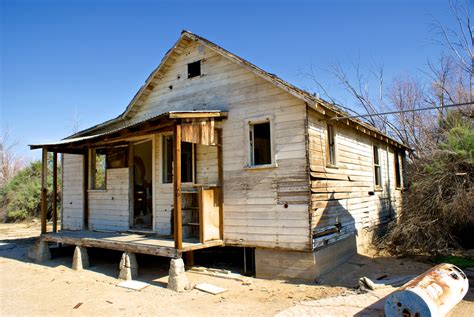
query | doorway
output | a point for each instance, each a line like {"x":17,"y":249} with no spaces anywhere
{"x":142,"y":185}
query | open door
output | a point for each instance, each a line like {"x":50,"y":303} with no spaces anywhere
{"x":209,"y":213}
{"x":142,"y":185}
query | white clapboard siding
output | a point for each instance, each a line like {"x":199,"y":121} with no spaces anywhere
{"x":342,"y":194}
{"x":72,"y":200}
{"x":254,"y":203}
{"x":163,"y":193}
{"x":109,"y":209}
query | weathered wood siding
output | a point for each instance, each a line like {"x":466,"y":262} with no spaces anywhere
{"x":72,"y":200}
{"x":254,"y":204}
{"x":109,"y":209}
{"x":163,"y":192}
{"x":346,"y":194}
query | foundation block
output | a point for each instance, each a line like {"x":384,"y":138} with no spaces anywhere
{"x":80,"y":260}
{"x":128,"y":266}
{"x":177,"y":280}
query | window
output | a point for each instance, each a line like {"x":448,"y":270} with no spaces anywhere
{"x":331,"y":146}
{"x":97,"y":169}
{"x":377,"y":171}
{"x":260,"y":144}
{"x":187,"y":161}
{"x":194,"y":69}
{"x":398,"y":170}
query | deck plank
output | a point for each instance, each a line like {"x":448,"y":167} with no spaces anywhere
{"x":127,"y":242}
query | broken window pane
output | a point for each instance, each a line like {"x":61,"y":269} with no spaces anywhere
{"x":187,"y":160}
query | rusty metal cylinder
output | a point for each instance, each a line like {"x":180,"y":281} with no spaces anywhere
{"x":433,"y":293}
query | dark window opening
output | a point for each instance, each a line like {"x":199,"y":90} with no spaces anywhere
{"x":398,"y":170}
{"x":377,"y":171}
{"x":194,"y":69}
{"x":260,"y":144}
{"x":331,"y":156}
{"x":187,"y":161}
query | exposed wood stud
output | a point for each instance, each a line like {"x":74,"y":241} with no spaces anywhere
{"x":44,"y":189}
{"x":55,"y":192}
{"x":178,"y":226}
{"x":85,"y":188}
{"x":220,"y":175}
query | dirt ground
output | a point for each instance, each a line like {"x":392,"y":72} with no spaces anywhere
{"x":54,"y":289}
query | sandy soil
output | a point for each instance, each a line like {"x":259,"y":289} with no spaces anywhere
{"x":54,"y":289}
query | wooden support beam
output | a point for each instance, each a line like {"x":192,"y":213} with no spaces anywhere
{"x":178,"y":226}
{"x":85,"y":187}
{"x":220,"y":175}
{"x":55,"y":191}
{"x":44,"y":189}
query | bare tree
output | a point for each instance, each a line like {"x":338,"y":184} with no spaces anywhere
{"x":458,"y":41}
{"x":10,"y":162}
{"x":447,"y":80}
{"x":75,"y":122}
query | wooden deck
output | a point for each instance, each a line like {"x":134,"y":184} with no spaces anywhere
{"x":127,"y":242}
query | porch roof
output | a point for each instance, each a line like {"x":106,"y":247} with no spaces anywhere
{"x":150,"y":124}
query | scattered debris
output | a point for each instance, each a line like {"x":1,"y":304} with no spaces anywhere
{"x":209,"y":288}
{"x":134,"y":285}
{"x":77,"y":306}
{"x":219,"y":273}
{"x":366,"y":284}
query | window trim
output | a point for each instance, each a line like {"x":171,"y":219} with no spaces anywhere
{"x":162,"y":155}
{"x":248,"y":123}
{"x":377,"y":187}
{"x":334,"y":137}
{"x":91,"y":175}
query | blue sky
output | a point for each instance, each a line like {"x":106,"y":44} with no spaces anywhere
{"x":62,"y":58}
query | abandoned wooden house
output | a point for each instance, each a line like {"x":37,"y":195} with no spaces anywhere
{"x":213,"y":151}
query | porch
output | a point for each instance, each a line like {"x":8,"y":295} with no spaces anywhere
{"x":127,"y":242}
{"x":196,"y":208}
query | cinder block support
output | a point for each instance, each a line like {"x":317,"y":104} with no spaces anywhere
{"x":128,"y":266}
{"x":177,"y":280}
{"x":80,"y":260}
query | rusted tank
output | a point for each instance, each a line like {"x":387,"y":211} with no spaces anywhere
{"x":433,"y":293}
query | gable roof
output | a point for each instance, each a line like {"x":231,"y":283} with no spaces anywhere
{"x":312,"y":101}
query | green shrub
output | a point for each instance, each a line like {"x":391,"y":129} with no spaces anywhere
{"x":20,"y":198}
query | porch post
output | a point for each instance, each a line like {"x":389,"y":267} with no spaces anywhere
{"x":44,"y":189}
{"x":220,"y":175}
{"x":178,"y":228}
{"x":55,"y":191}
{"x":85,"y":188}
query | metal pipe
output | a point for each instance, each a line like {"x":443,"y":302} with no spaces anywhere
{"x":433,"y":293}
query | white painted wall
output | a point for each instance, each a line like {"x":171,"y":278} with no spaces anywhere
{"x":109,"y":209}
{"x":72,"y":201}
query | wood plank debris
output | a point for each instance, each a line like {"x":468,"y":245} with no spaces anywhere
{"x":209,"y":288}
{"x":133,"y":285}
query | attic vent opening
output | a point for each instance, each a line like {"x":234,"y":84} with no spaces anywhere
{"x":194,"y":69}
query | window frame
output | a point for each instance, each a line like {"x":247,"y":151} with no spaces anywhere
{"x":249,"y":123}
{"x":163,"y":156}
{"x":92,"y":170}
{"x":329,"y":163}
{"x":398,"y":162}
{"x":377,"y":187}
